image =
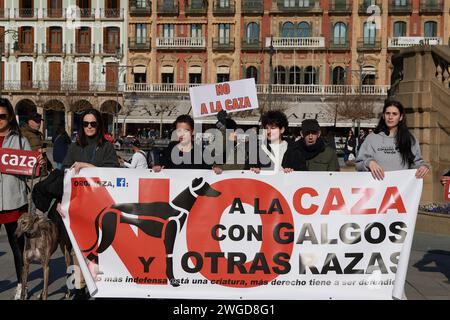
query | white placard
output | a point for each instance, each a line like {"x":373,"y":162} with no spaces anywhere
{"x":232,"y":96}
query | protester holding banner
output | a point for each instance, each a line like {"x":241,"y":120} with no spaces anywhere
{"x":311,"y":147}
{"x":13,"y":195}
{"x":184,"y":152}
{"x":272,"y":155}
{"x":91,"y":149}
{"x":391,"y":146}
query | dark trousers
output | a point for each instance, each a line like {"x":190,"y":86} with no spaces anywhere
{"x":17,"y":245}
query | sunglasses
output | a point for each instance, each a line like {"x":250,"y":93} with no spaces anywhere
{"x":87,"y":123}
{"x":3,"y":116}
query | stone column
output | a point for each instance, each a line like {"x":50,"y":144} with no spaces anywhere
{"x":426,"y":98}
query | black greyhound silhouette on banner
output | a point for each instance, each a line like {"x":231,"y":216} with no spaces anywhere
{"x":173,"y":215}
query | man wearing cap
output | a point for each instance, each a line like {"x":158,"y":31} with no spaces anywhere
{"x":139,"y":159}
{"x":319,"y":156}
{"x":31,"y":131}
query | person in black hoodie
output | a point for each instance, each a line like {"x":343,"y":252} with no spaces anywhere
{"x":183,"y":153}
{"x":273,"y":154}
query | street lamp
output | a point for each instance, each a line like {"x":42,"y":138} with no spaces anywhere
{"x":271,"y":51}
{"x":15,"y":35}
{"x":120,"y":71}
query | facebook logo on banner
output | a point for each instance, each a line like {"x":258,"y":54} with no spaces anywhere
{"x":121,"y":182}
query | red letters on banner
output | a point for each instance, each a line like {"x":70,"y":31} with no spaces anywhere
{"x":89,"y":198}
{"x":208,"y":211}
{"x":335,"y":201}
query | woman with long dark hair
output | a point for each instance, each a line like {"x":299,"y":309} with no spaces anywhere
{"x":91,"y":149}
{"x":13,"y":197}
{"x":391,"y":146}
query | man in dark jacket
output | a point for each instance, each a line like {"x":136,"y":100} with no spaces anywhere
{"x":318,"y":155}
{"x":31,"y":131}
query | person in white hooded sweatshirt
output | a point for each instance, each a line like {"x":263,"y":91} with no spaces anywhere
{"x":391,"y":146}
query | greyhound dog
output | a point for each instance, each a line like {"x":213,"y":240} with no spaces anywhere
{"x":41,"y":241}
{"x":147,"y":217}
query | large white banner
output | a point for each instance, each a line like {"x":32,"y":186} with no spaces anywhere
{"x":240,"y":235}
{"x":232,"y":96}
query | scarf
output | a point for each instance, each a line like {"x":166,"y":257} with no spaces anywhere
{"x":311,"y":151}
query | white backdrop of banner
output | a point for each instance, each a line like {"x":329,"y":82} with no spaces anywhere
{"x":240,"y":235}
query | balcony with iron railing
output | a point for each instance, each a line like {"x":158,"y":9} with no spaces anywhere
{"x":9,"y":48}
{"x":224,"y":8}
{"x":63,"y":86}
{"x":195,"y":7}
{"x":276,"y":89}
{"x":54,"y":14}
{"x":299,"y":6}
{"x":400,"y":7}
{"x":404,"y":42}
{"x":139,"y":43}
{"x":111,"y":49}
{"x":168,"y":7}
{"x":26,"y":49}
{"x":296,"y":42}
{"x":431,"y":7}
{"x":26,"y":14}
{"x":83,"y":49}
{"x":339,"y":44}
{"x":50,"y":49}
{"x":252,"y":7}
{"x":112,"y":14}
{"x":223,"y":44}
{"x":82,"y":13}
{"x":138,"y":10}
{"x":369,"y":44}
{"x":340,"y":7}
{"x":251,"y":44}
{"x":181,"y":43}
{"x":370,"y":7}
{"x":4,"y":13}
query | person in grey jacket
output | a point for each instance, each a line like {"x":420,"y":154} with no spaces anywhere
{"x":391,"y":146}
{"x":13,"y":193}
